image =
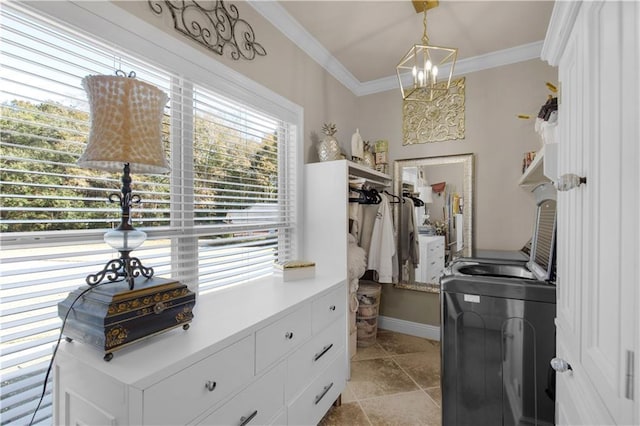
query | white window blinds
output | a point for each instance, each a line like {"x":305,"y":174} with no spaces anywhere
{"x":222,"y":215}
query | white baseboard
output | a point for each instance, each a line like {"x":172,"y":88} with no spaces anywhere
{"x":417,"y":329}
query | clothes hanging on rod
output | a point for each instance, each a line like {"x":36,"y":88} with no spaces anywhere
{"x":382,"y":251}
{"x":373,"y":228}
{"x":395,"y":197}
{"x":408,"y":237}
{"x":416,"y":201}
{"x":361,"y":196}
{"x":364,"y":195}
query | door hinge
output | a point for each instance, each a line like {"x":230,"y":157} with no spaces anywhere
{"x":629,"y":375}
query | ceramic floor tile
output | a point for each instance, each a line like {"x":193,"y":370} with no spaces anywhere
{"x":397,"y":343}
{"x":377,"y":377}
{"x":382,"y":389}
{"x":435,"y":394}
{"x":412,"y":408}
{"x":370,"y":352}
{"x":423,"y":367}
{"x":346,"y":414}
{"x":347,"y":395}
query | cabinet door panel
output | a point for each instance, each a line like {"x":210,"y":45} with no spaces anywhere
{"x":577,"y":403}
{"x":607,"y":336}
{"x":597,"y":222}
{"x":570,"y":212}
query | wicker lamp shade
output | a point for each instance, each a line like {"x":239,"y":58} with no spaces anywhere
{"x":126,"y":125}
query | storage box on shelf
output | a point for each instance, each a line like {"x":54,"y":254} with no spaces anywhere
{"x":266,"y":352}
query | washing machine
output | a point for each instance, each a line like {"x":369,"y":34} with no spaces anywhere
{"x":498,"y":333}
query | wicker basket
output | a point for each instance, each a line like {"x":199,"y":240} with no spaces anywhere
{"x":367,"y":316}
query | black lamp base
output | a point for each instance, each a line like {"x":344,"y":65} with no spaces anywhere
{"x":112,"y":316}
{"x":125,"y":269}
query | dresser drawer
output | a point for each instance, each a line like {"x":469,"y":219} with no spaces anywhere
{"x":315,"y":400}
{"x":328,"y":308}
{"x":282,"y":336}
{"x":436,"y":249}
{"x":315,"y":356}
{"x":186,"y":394}
{"x":259,"y":404}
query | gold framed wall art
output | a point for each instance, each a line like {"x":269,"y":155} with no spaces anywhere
{"x":435,"y":120}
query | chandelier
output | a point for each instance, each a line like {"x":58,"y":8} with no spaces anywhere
{"x":425,"y":71}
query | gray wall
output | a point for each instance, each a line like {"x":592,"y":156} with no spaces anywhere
{"x":503,"y":213}
{"x":286,"y":70}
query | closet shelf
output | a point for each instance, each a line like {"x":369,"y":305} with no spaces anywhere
{"x":534,"y":175}
{"x":371,"y":176}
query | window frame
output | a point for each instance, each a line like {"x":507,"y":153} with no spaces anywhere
{"x":181,"y":58}
{"x":106,"y":20}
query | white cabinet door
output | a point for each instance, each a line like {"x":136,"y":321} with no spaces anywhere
{"x":598,"y":222}
{"x":608,"y":302}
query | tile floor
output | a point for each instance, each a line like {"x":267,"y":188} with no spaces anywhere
{"x":396,"y":381}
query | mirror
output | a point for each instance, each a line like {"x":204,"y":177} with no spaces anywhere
{"x":437,"y":201}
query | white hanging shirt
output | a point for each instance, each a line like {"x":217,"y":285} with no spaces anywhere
{"x":382,"y":250}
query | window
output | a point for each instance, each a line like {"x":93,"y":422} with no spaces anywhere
{"x":223,"y":214}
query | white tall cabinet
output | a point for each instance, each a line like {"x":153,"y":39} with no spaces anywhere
{"x":326,"y":220}
{"x":596,"y":46}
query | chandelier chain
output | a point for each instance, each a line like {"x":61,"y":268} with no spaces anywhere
{"x":425,"y":38}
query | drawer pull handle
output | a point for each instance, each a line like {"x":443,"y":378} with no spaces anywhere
{"x":245,"y":420}
{"x":332,"y":307}
{"x":324,"y":392}
{"x":289,"y":335}
{"x":324,"y":351}
{"x":211,"y":385}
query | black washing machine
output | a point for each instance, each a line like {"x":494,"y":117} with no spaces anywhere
{"x":498,"y":333}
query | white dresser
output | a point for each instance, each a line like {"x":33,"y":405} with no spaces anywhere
{"x":431,"y":265}
{"x":268,"y":352}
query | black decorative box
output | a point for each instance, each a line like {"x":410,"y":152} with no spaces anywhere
{"x":111,"y":316}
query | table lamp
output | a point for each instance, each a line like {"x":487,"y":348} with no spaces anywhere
{"x":125,"y":134}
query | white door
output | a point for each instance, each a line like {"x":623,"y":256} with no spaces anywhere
{"x":598,"y":231}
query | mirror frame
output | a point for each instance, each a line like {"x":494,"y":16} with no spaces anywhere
{"x":467,"y":161}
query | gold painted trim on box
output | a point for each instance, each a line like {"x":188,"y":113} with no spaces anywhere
{"x":147,"y":301}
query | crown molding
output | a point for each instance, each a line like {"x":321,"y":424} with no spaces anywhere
{"x":291,"y":28}
{"x":561,"y":23}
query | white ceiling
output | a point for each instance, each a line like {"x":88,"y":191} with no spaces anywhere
{"x":361,"y":42}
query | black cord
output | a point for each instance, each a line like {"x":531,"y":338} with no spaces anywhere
{"x":55,"y":350}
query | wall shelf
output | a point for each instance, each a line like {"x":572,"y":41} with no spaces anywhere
{"x":534,"y":174}
{"x":370,"y":175}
